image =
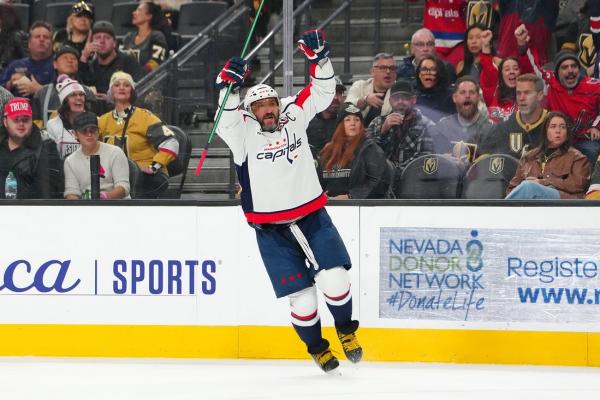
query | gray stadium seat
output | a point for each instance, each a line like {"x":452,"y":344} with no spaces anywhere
{"x":179,"y":168}
{"x":195,"y":16}
{"x":489,"y":176}
{"x":121,"y":17}
{"x":22,"y":11}
{"x":38,"y":12}
{"x":103,"y":10}
{"x":432,"y":176}
{"x":57,"y":14}
{"x":134,"y":177}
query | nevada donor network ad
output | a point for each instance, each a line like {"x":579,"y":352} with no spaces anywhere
{"x":491,"y":275}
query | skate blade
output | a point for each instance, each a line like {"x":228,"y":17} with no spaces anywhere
{"x":334,"y":372}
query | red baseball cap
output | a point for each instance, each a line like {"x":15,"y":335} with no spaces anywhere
{"x":17,"y":107}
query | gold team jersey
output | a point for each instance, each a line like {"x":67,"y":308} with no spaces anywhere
{"x":135,"y":139}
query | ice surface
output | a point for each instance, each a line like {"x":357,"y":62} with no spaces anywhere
{"x":152,"y":379}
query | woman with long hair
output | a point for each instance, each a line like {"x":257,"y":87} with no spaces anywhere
{"x":60,"y":128}
{"x":140,"y":134}
{"x":554,"y":169}
{"x":78,"y":28}
{"x":147,"y":44}
{"x":354,"y":166}
{"x":472,"y":50}
{"x":498,"y":83}
{"x":434,"y":96}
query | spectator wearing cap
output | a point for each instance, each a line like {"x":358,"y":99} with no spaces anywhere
{"x":24,"y":77}
{"x":405,"y":133}
{"x":101,"y":59}
{"x":60,"y":129}
{"x":33,"y":160}
{"x":147,"y":44}
{"x":372,"y":95}
{"x":46,"y":101}
{"x":79,"y":25}
{"x":351,"y":165}
{"x":569,"y":91}
{"x":321,"y":127}
{"x":144,"y":138}
{"x":114,"y":167}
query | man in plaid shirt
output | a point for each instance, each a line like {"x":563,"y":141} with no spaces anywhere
{"x":405,"y":133}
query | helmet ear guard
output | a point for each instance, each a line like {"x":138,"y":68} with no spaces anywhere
{"x":259,"y":92}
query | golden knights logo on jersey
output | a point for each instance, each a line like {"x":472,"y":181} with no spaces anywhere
{"x":479,"y":12}
{"x":515,"y":140}
{"x":587,"y":51}
{"x":496,"y":165}
{"x":430,"y":165}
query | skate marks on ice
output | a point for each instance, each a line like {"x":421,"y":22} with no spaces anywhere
{"x":151,"y":379}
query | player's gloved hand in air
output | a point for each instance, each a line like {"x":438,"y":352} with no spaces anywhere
{"x":235,"y":71}
{"x":314,"y":46}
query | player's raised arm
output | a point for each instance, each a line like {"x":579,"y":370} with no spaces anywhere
{"x":317,"y":96}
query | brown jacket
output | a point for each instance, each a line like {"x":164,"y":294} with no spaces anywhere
{"x":566,"y":171}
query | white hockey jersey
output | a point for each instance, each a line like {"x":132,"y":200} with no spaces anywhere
{"x":276,"y":169}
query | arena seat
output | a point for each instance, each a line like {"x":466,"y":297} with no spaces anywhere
{"x":134,"y":177}
{"x":22,"y":11}
{"x":121,"y":17}
{"x":185,"y":151}
{"x":195,"y":16}
{"x":489,"y":176}
{"x":39,"y":9}
{"x":103,"y":10}
{"x":432,"y":176}
{"x":57,"y":14}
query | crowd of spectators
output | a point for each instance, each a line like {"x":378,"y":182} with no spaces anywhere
{"x":473,"y":85}
{"x":508,"y":99}
{"x":53,"y":83}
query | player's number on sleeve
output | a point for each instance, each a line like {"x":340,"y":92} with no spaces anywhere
{"x":158,"y":52}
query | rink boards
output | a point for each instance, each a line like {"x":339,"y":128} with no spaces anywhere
{"x":440,"y":283}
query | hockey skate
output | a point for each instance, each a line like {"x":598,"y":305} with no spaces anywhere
{"x":349,"y":342}
{"x":324,"y":357}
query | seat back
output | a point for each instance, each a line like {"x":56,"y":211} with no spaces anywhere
{"x":57,"y":14}
{"x":22,"y":11}
{"x":432,"y":176}
{"x":195,"y":16}
{"x":180,"y":164}
{"x":121,"y":17}
{"x":103,"y":10}
{"x":489,"y":176}
{"x":134,"y":177}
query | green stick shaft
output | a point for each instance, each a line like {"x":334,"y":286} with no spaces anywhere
{"x":214,"y":128}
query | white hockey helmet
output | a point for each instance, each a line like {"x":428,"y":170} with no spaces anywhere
{"x":259,"y":92}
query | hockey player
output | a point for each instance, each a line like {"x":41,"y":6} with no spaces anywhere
{"x":283,"y":200}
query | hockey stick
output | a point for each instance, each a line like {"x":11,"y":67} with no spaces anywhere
{"x":214,"y":128}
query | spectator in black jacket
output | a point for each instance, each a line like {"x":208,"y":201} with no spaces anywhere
{"x":434,"y":96}
{"x":352,"y":165}
{"x":34,"y":161}
{"x":101,"y":59}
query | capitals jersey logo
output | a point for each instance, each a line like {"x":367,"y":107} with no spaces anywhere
{"x":287,"y":147}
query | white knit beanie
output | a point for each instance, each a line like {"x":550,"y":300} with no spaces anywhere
{"x":67,"y":86}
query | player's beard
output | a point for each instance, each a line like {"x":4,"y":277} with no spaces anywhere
{"x":271,"y":126}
